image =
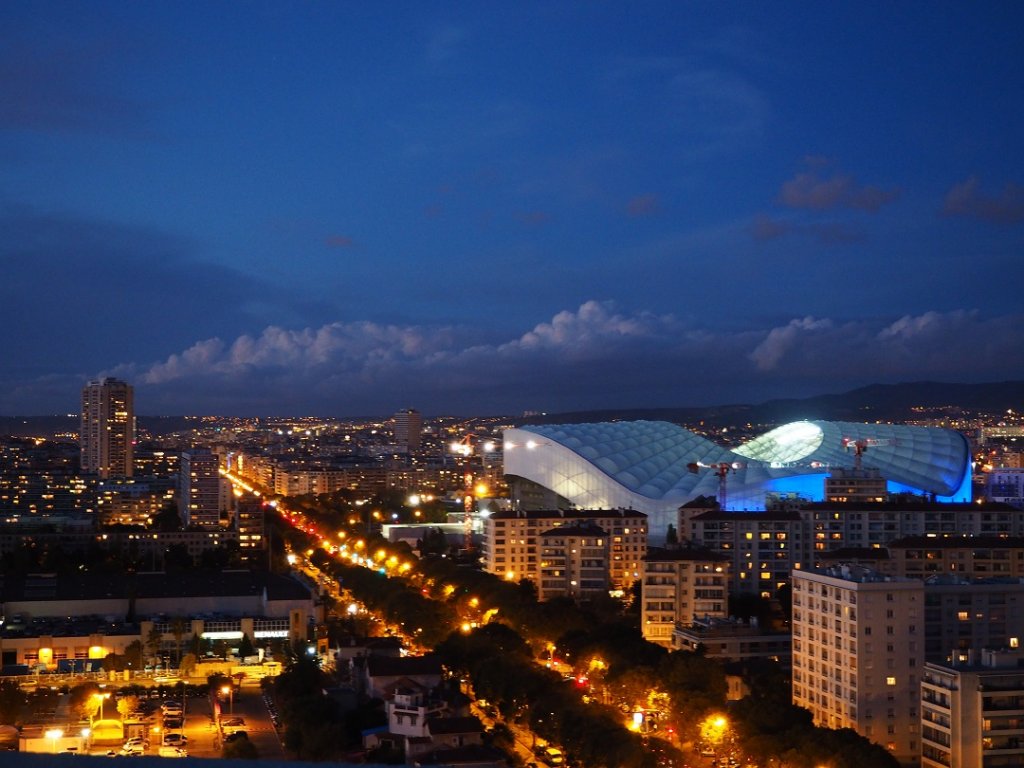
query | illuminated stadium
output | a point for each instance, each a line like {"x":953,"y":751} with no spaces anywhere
{"x":655,"y":467}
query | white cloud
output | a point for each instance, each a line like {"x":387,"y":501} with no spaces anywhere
{"x":780,"y":341}
{"x":593,"y":356}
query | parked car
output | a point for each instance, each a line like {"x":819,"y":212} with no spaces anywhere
{"x":175,"y":740}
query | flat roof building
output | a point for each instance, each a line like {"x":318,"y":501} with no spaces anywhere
{"x":679,"y":585}
{"x":858,"y":654}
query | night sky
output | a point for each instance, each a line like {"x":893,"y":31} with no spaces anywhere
{"x":345,"y":208}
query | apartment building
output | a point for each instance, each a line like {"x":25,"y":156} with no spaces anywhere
{"x":971,"y":711}
{"x":681,"y":584}
{"x":512,"y":541}
{"x":574,"y":562}
{"x":763,"y":547}
{"x":858,"y":653}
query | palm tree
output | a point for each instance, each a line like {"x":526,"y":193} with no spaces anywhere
{"x":179,"y":627}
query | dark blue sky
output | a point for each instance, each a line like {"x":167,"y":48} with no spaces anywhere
{"x":350,"y":208}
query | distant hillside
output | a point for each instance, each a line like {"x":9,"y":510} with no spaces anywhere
{"x":48,"y":426}
{"x":877,"y":402}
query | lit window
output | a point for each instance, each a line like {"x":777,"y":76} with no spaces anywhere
{"x":890,"y":681}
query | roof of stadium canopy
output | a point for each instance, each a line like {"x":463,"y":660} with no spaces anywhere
{"x":646,"y":465}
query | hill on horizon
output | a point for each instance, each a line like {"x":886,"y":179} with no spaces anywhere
{"x":875,"y":402}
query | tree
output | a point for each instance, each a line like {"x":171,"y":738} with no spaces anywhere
{"x":133,"y":655}
{"x":671,"y":536}
{"x":245,"y":646}
{"x":84,"y":700}
{"x":126,"y":705}
{"x":179,"y":627}
{"x":240,"y":749}
{"x":187,"y":665}
{"x":154,"y":641}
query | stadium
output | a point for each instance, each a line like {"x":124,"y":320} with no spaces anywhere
{"x":655,"y":466}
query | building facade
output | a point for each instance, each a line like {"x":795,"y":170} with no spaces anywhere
{"x":107,"y":430}
{"x":199,"y":488}
{"x":971,"y":711}
{"x":858,"y":654}
{"x":408,"y":430}
{"x":573,"y":562}
{"x":762,"y":547}
{"x":512,"y":541}
{"x":681,"y":584}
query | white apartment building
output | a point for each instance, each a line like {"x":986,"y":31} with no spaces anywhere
{"x":972,"y":711}
{"x":858,"y":653}
{"x":512,"y":541}
{"x":679,"y":585}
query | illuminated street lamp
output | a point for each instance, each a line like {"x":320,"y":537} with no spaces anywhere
{"x":53,"y":735}
{"x":102,"y":697}
{"x":229,"y":691}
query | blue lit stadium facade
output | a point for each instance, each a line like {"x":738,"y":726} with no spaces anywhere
{"x":644,"y":465}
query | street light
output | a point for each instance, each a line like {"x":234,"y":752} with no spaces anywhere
{"x":229,"y":691}
{"x":102,"y":697}
{"x":53,"y":734}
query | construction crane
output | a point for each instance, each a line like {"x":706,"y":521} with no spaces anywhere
{"x":860,"y":445}
{"x":722,"y":470}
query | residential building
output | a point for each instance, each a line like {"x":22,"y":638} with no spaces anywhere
{"x":855,"y":484}
{"x":408,"y":430}
{"x":731,"y":639}
{"x":574,"y":562}
{"x":107,"y":432}
{"x":763,"y":547}
{"x":858,"y":652}
{"x":962,"y":613}
{"x":249,"y":524}
{"x":199,"y":488}
{"x":837,"y":525}
{"x":512,"y":541}
{"x":681,"y":584}
{"x":971,"y":711}
{"x":1006,"y":485}
{"x":967,"y":556}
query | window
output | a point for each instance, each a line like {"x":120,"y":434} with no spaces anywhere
{"x":890,"y":681}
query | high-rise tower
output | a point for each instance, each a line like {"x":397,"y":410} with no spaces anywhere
{"x":107,"y":431}
{"x":408,"y":429}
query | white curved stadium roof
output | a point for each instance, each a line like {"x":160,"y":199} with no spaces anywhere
{"x":643,"y":465}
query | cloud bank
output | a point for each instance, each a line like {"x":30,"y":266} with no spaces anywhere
{"x":592,"y":357}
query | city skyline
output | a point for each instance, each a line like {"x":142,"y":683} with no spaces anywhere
{"x":340,"y":210}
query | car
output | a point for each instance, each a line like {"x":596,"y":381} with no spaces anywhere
{"x":236,"y":736}
{"x":132,"y":749}
{"x":172,"y":723}
{"x":175,"y":740}
{"x":553,"y":756}
{"x":172,"y":752}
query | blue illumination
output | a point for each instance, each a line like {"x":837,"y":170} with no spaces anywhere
{"x":811,"y":487}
